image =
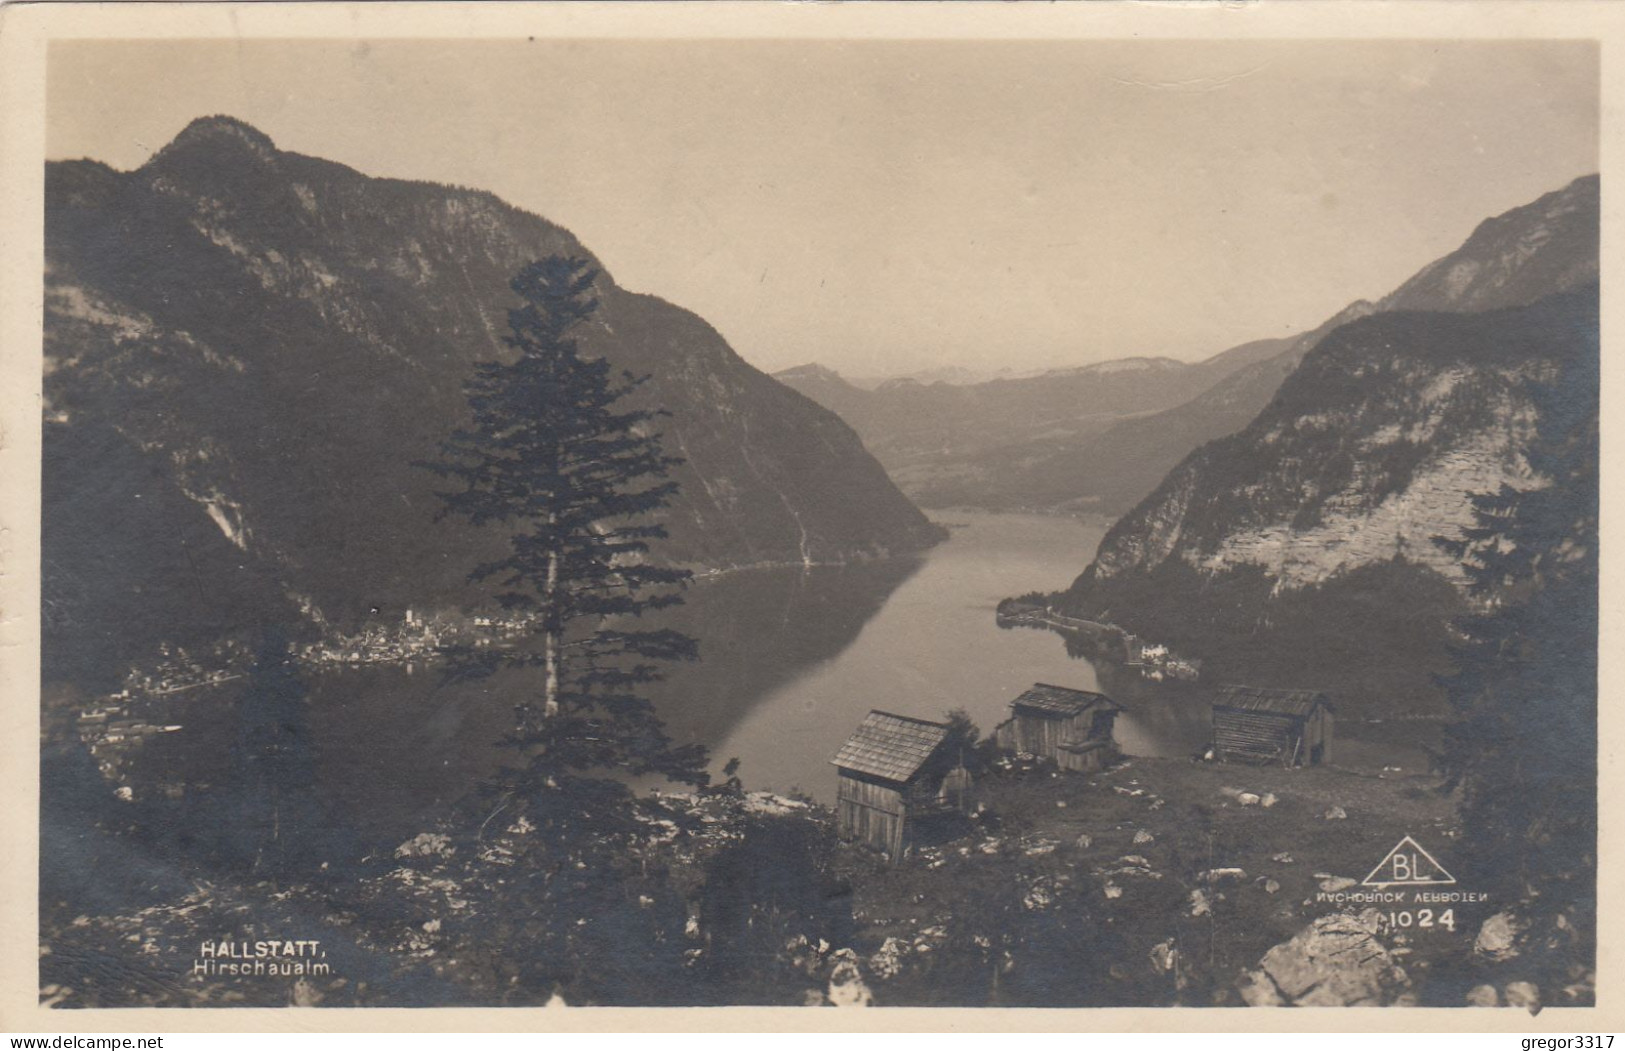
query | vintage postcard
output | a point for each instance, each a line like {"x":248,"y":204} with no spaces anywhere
{"x":783,"y":506}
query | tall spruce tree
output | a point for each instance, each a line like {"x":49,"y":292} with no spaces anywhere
{"x":554,"y":450}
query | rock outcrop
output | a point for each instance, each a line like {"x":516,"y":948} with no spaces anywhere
{"x":1337,"y":961}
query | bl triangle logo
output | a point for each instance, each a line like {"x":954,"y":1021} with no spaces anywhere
{"x":1410,"y":866}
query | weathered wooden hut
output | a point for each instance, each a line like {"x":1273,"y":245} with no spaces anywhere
{"x":892,"y":772}
{"x":1252,"y":724}
{"x":1072,"y":727}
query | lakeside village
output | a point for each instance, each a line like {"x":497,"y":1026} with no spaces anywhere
{"x":414,"y":639}
{"x":144,"y":704}
{"x":1154,"y":661}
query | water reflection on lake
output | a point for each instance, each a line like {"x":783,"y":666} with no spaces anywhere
{"x":792,"y":659}
{"x":933,"y":646}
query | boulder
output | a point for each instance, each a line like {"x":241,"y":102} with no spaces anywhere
{"x":1258,"y":991}
{"x":426,"y":844}
{"x":1143,"y":836}
{"x":887,"y":962}
{"x":1229,"y":875}
{"x":1132,"y":866}
{"x":1337,"y":883}
{"x":1269,"y":799}
{"x":769,"y":803}
{"x":1523,"y":994}
{"x":1498,"y":937}
{"x":1337,"y":961}
{"x":1248,"y":799}
{"x":305,"y":994}
{"x":1336,"y":813}
{"x":846,"y":985}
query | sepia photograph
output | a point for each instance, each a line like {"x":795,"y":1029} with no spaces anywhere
{"x":543,"y":519}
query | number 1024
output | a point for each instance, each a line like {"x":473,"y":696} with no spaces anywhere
{"x":1423,"y":918}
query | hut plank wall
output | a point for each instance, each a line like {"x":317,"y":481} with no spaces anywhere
{"x":1254,"y":735}
{"x":1073,"y":728}
{"x":1262,"y":726}
{"x":1041,"y":735}
{"x":870,"y":811}
{"x":891,"y":772}
{"x":1085,"y":758}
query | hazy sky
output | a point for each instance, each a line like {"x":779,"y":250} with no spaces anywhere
{"x":883,"y":207}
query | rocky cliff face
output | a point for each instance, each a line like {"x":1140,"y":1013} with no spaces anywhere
{"x":1373,"y":447}
{"x":1374,"y":442}
{"x":265,"y":342}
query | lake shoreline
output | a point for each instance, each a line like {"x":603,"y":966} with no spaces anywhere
{"x":792,"y":659}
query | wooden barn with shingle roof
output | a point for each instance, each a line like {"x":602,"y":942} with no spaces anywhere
{"x":1253,"y":724}
{"x":891,"y":772}
{"x":1073,"y":727}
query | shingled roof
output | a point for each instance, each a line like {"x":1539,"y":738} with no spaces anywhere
{"x":888,"y":746}
{"x":1059,"y":700}
{"x":1263,"y":699}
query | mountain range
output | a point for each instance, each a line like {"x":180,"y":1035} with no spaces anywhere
{"x":997,"y":443}
{"x":1325,"y":510}
{"x":247,"y":349}
{"x":1074,"y":440}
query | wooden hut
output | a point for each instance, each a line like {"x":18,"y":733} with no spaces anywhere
{"x":1256,"y":725}
{"x":892,"y":773}
{"x":1072,"y":727}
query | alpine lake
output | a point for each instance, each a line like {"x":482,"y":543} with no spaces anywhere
{"x":791,"y":660}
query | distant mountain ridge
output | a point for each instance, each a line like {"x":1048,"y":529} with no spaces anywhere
{"x":264,"y":342}
{"x":971,"y":443}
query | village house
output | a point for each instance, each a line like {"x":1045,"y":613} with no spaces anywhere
{"x":1252,"y":724}
{"x":895,"y":773}
{"x":1072,"y":727}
